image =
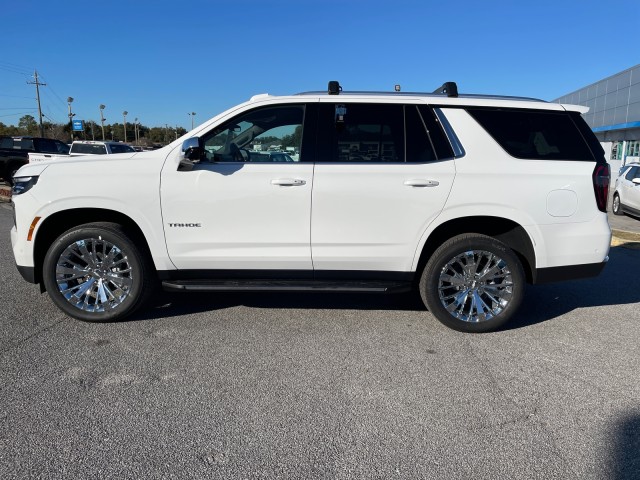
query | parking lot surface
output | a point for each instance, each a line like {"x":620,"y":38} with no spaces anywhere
{"x":322,"y":386}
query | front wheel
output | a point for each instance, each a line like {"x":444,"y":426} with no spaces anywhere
{"x":473,"y":283}
{"x":616,"y":207}
{"x":96,"y":273}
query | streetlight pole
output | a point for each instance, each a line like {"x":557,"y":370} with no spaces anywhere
{"x":135,"y":129}
{"x":102,"y":119}
{"x":192,"y":114}
{"x":124,"y":118}
{"x":71,"y":115}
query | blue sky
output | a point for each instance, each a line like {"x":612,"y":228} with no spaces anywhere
{"x":161,"y":60}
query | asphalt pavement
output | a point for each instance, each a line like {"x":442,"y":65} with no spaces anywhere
{"x":322,"y":386}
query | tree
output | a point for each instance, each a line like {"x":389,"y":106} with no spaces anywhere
{"x":28,"y":125}
{"x":293,"y":140}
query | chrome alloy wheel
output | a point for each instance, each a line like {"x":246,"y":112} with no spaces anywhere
{"x":475,"y":286}
{"x":94,"y":275}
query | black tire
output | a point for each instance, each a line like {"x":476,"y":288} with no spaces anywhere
{"x":616,"y":206}
{"x":96,"y":273}
{"x":473,"y":283}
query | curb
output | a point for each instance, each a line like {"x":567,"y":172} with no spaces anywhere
{"x":625,"y":239}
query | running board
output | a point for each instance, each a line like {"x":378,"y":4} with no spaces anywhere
{"x":285,"y":286}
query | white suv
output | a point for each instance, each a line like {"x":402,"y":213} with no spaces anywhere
{"x":464,"y":198}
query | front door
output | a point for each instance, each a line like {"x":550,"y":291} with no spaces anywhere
{"x":246,"y":205}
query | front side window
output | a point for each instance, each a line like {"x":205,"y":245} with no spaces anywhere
{"x":62,"y":147}
{"x":117,"y":148}
{"x":269,"y":134}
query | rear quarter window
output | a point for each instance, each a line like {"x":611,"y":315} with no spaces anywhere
{"x":536,"y":134}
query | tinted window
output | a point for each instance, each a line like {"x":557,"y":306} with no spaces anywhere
{"x":359,"y":132}
{"x":26,"y":144}
{"x":439,"y":140}
{"x":419,"y":145}
{"x":631,"y":174}
{"x":535,"y":134}
{"x":89,"y":149}
{"x":62,"y":147}
{"x":116,"y":148}
{"x":46,"y":145}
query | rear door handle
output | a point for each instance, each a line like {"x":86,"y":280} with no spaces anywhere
{"x":288,"y":182}
{"x":420,"y":182}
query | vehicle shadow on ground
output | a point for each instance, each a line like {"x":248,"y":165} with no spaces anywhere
{"x":615,"y":285}
{"x":624,"y":456}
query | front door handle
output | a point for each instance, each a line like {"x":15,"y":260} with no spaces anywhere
{"x":288,"y":182}
{"x":420,"y":182}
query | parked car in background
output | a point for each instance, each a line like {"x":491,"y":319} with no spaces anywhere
{"x":18,"y":151}
{"x":268,"y":157}
{"x":96,"y":147}
{"x":626,"y":196}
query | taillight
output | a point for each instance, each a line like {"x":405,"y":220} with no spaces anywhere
{"x":601,"y":178}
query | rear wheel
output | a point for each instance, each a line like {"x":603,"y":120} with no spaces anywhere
{"x":96,"y":273}
{"x":616,"y":207}
{"x":473,"y":283}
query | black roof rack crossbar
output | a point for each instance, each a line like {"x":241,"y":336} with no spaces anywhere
{"x":450,"y":89}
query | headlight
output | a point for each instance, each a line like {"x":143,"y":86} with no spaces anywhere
{"x":23,"y":184}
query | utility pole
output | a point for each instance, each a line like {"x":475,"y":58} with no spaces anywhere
{"x":102,"y":119}
{"x":124,"y":124}
{"x":71,"y":115}
{"x":37,"y":84}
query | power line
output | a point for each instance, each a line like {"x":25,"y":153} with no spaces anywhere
{"x":62,"y":102}
{"x":14,"y":68}
{"x":14,"y":96}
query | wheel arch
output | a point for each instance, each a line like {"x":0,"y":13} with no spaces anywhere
{"x":507,"y":231}
{"x":59,"y":222}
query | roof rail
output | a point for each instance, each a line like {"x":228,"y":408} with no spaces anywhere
{"x":450,"y":89}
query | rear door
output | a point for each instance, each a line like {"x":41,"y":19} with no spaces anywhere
{"x":383,"y":174}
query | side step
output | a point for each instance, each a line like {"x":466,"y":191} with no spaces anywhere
{"x":285,"y":286}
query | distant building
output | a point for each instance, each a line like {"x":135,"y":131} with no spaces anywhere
{"x":614,"y":114}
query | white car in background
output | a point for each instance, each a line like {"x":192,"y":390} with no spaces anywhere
{"x":95,"y":147}
{"x":626,"y":196}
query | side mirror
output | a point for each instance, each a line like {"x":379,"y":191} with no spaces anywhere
{"x":191,"y":149}
{"x":191,"y":153}
{"x":636,"y":181}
